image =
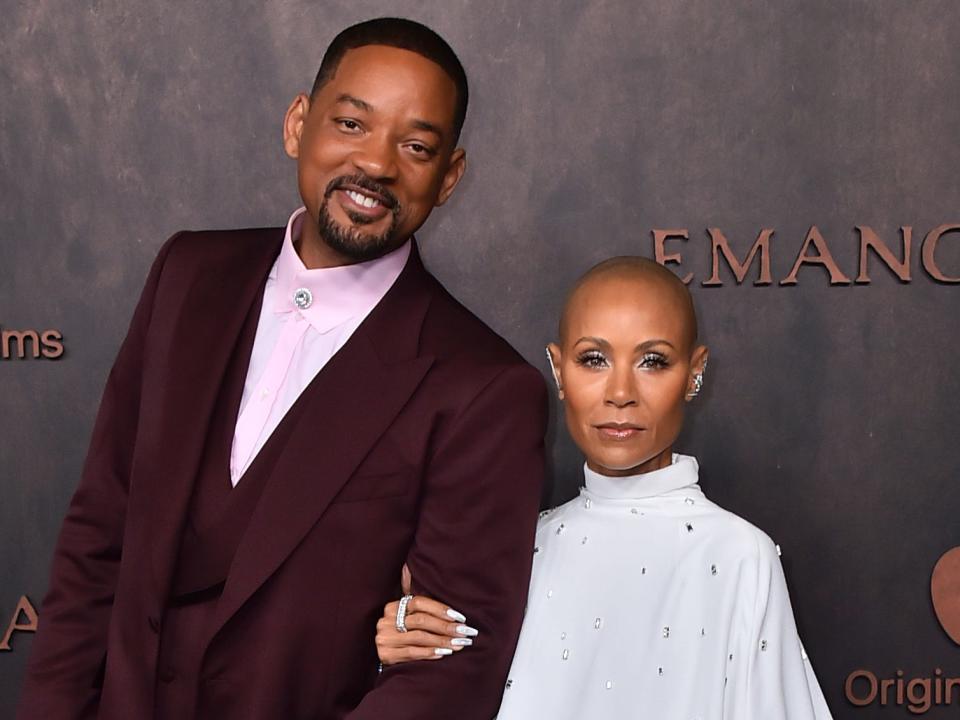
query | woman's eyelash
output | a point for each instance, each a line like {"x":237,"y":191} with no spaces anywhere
{"x":653,"y":359}
{"x":591,"y":358}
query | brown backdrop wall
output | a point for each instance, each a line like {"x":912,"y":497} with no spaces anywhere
{"x":830,"y":413}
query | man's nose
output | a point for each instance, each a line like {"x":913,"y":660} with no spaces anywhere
{"x":621,"y":390}
{"x":376,"y":158}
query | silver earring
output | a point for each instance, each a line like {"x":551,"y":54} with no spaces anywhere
{"x":553,"y":370}
{"x":698,"y":382}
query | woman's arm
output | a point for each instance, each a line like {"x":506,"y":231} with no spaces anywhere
{"x":433,"y":630}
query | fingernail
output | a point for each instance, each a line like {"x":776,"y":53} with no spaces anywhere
{"x":443,"y":651}
{"x":454,"y":615}
{"x":463,"y":642}
{"x":467,"y":630}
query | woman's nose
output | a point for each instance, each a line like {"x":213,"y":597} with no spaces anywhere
{"x":621,"y":391}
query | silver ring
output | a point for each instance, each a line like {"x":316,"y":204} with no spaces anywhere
{"x":402,"y":613}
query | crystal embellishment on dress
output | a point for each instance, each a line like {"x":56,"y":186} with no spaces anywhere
{"x":666,"y":631}
{"x":634,"y":511}
{"x":609,"y":685}
{"x":713,"y":569}
{"x":598,"y":623}
{"x":560,"y":529}
{"x":584,"y":541}
{"x":563,"y":636}
{"x":659,"y":671}
{"x":689,"y":527}
{"x":536,"y":549}
{"x":703,"y":632}
{"x":302,"y":298}
{"x":688,"y":501}
{"x":779,"y":551}
{"x":763,"y":645}
{"x":587,"y":502}
{"x":549,"y":594}
{"x":509,"y":683}
{"x":566,"y":654}
{"x":643,"y":571}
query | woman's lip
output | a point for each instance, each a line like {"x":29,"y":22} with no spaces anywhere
{"x":614,"y":431}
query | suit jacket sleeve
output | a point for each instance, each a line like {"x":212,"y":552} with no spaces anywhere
{"x":473,"y":549}
{"x":64,"y":673}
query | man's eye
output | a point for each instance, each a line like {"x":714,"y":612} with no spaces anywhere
{"x":349,"y":125}
{"x":653,"y":361}
{"x":592,"y":359}
{"x":420,"y":149}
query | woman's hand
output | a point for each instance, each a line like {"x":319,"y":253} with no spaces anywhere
{"x":434,"y":630}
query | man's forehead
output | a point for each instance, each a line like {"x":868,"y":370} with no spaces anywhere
{"x":368,"y":60}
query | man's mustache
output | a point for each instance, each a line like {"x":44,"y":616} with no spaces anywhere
{"x":387,"y":198}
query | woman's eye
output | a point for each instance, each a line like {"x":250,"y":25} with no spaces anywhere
{"x":592,"y":360}
{"x":653,"y":361}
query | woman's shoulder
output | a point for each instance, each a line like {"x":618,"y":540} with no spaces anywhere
{"x":742,"y":537}
{"x":552,"y":518}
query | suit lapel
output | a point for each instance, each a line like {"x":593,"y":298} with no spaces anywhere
{"x":222,"y":290}
{"x":349,"y":405}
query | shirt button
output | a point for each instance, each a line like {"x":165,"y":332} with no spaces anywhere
{"x":302,"y":298}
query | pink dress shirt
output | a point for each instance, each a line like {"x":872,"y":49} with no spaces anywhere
{"x":306,"y":317}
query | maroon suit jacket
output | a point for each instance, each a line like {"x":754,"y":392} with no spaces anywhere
{"x":426,"y":446}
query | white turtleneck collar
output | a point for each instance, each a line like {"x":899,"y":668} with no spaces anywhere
{"x":683,"y":472}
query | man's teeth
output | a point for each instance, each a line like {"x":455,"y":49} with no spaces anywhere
{"x":359,"y":199}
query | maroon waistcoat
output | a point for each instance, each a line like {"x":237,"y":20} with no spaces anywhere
{"x":217,"y":518}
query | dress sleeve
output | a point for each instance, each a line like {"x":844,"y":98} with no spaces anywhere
{"x":769,"y":674}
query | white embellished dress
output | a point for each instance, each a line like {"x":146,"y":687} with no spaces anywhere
{"x":647,"y":601}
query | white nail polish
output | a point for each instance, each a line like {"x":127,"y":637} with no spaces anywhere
{"x":467,"y":630}
{"x":462,"y":642}
{"x":454,"y":615}
{"x":443,"y":651}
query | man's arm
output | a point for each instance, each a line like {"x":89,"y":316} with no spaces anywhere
{"x":474,"y":548}
{"x":64,"y":673}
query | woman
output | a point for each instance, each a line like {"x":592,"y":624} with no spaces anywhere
{"x":646,"y":599}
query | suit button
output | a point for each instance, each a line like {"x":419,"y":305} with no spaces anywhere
{"x":154,"y":623}
{"x":166,"y":674}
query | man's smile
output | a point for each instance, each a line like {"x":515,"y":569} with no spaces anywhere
{"x":362,"y":199}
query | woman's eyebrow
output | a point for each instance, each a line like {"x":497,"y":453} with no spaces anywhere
{"x":652,"y":343}
{"x":589,"y":338}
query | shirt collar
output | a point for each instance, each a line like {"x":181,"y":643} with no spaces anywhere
{"x":683,"y":472}
{"x":328,"y":297}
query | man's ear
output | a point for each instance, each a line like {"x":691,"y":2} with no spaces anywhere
{"x":455,"y":170}
{"x":293,"y":124}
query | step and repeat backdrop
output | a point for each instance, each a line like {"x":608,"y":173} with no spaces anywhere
{"x":797,"y":162}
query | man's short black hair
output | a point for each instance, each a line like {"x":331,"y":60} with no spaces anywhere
{"x":406,"y":35}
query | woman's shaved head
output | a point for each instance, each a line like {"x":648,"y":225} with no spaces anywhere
{"x":642,"y":275}
{"x":627,"y":364}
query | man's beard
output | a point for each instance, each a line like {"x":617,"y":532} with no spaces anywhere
{"x":352,"y":242}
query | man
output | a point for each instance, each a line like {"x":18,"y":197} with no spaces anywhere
{"x":293,"y":415}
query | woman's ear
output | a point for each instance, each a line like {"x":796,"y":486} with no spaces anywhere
{"x":698,"y":366}
{"x":554,"y":358}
